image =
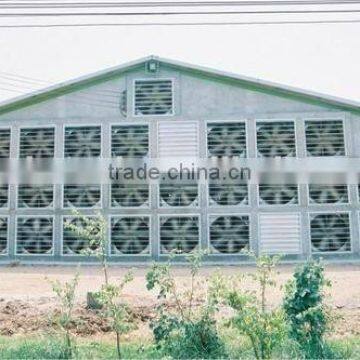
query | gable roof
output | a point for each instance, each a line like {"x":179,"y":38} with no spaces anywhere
{"x":234,"y":79}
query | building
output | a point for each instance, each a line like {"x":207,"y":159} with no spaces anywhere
{"x":158,"y":108}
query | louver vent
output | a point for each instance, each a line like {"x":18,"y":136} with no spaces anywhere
{"x":325,"y":138}
{"x":130,"y":141}
{"x":34,"y":236}
{"x":35,"y":196}
{"x":72,"y":243}
{"x":83,"y":141}
{"x":228,"y":194}
{"x":4,"y":196}
{"x":229,"y":234}
{"x":4,"y":143}
{"x":276,"y":138}
{"x":3,"y":235}
{"x":179,"y":234}
{"x":178,"y":139}
{"x":178,"y":194}
{"x":130,"y":235}
{"x":330,"y":232}
{"x":226,"y":139}
{"x":82,"y":196}
{"x":279,"y":233}
{"x":328,"y":194}
{"x":153,"y":97}
{"x":37,"y":142}
{"x":129,"y":195}
{"x":278,"y":194}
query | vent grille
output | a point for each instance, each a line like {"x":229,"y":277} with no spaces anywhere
{"x":129,"y":195}
{"x":34,"y":236}
{"x":229,"y":194}
{"x":278,"y":194}
{"x":227,"y":139}
{"x":178,"y":139}
{"x":82,"y":196}
{"x":330,"y":232}
{"x":328,"y":194}
{"x":280,"y":233}
{"x":4,"y":143}
{"x":4,"y":196}
{"x":37,"y":142}
{"x":276,"y":139}
{"x":83,"y":141}
{"x":35,"y":196}
{"x":153,"y":97}
{"x":325,"y":138}
{"x":178,"y":194}
{"x":130,"y":141}
{"x":130,"y":235}
{"x":3,"y":235}
{"x":229,"y":234}
{"x":179,"y":234}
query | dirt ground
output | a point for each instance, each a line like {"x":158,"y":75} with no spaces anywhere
{"x":26,"y":298}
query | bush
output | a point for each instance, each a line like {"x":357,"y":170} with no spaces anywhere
{"x":305,"y":311}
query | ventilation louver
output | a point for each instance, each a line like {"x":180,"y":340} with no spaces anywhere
{"x":82,"y":196}
{"x":34,"y":235}
{"x":325,"y":138}
{"x":130,"y":141}
{"x":3,"y":235}
{"x":83,"y":141}
{"x":276,"y":139}
{"x":278,"y":194}
{"x":4,"y":196}
{"x":178,"y":194}
{"x":37,"y":142}
{"x":228,"y":194}
{"x":179,"y":233}
{"x":129,"y":195}
{"x":330,"y":232}
{"x":153,"y":97}
{"x":4,"y":143}
{"x":328,"y":194}
{"x":72,"y":243}
{"x":130,"y":235}
{"x":35,"y":196}
{"x":230,"y":234}
{"x":226,"y":139}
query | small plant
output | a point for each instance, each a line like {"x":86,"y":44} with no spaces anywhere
{"x":115,"y":310}
{"x":265,"y":328}
{"x":185,"y":325}
{"x":304,"y":308}
{"x":65,"y":293}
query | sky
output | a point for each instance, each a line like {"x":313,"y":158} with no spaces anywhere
{"x":318,"y":57}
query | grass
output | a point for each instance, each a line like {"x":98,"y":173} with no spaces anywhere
{"x":52,"y":348}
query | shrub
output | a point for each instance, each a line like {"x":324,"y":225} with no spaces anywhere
{"x":304,"y":308}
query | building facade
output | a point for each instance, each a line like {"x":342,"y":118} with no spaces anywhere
{"x":156,"y":108}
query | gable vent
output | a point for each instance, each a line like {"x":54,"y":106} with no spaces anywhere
{"x":228,"y":194}
{"x":4,"y":143}
{"x":153,"y":97}
{"x":35,"y":196}
{"x":130,"y":141}
{"x":83,"y":141}
{"x":37,"y":142}
{"x":276,"y":139}
{"x":82,"y":196}
{"x":328,"y":194}
{"x":129,"y":195}
{"x":278,"y":194}
{"x":330,"y":232}
{"x":226,"y":139}
{"x":229,"y":234}
{"x":34,"y":235}
{"x":130,"y":235}
{"x":279,"y":233}
{"x":325,"y":138}
{"x":178,"y":139}
{"x":179,"y":233}
{"x":3,"y":235}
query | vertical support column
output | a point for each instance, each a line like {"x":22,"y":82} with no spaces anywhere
{"x":354,"y":218}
